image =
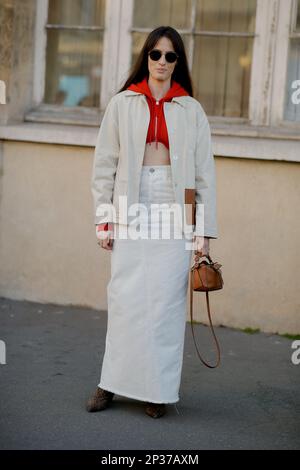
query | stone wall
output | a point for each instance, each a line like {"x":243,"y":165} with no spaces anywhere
{"x":17,"y":21}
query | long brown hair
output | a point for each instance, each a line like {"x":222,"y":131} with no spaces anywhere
{"x":181,"y":72}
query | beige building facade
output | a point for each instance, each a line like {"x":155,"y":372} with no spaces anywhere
{"x":49,"y":123}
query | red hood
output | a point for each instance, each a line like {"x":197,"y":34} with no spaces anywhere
{"x":156,"y":111}
{"x":175,"y":90}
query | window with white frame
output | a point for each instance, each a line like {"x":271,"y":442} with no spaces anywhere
{"x":218,"y":36}
{"x":231,"y":47}
{"x":292,"y":107}
{"x":74,"y":52}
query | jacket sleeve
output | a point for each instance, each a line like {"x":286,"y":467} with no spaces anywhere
{"x":205,"y":181}
{"x":105,"y":163}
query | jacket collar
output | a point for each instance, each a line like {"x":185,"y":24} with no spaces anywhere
{"x":179,"y":99}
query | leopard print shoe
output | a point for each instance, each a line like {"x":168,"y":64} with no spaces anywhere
{"x":100,"y":400}
{"x":155,"y":410}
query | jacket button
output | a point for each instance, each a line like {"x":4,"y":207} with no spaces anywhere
{"x":175,"y":157}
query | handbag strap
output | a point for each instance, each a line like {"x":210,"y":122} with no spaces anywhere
{"x":211,"y":326}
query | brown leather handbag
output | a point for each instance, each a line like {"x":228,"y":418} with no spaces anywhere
{"x":204,"y":277}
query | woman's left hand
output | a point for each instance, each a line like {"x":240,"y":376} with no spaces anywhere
{"x":201,"y":246}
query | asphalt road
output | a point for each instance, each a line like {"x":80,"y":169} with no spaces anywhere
{"x":53,"y":362}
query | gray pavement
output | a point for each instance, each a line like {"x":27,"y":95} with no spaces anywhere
{"x":53,"y":363}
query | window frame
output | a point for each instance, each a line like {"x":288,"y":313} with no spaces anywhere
{"x":287,"y":12}
{"x":81,"y":115}
{"x":190,"y":52}
{"x":268,"y":75}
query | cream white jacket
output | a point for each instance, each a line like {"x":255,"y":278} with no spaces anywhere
{"x":119,"y":152}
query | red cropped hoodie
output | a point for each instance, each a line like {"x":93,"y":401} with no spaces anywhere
{"x":157,"y":130}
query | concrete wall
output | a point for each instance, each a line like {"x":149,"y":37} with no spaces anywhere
{"x":48,"y":249}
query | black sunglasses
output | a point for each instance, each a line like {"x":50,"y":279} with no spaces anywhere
{"x":156,"y":54}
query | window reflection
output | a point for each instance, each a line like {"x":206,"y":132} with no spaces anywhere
{"x":74,"y":52}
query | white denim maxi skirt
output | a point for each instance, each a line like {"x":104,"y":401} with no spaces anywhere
{"x":147,"y":302}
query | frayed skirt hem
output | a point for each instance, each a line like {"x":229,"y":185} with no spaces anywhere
{"x":134,"y":397}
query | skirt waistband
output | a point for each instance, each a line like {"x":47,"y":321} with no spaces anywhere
{"x":156,"y":169}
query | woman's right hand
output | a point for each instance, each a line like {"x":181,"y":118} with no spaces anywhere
{"x":105,"y":237}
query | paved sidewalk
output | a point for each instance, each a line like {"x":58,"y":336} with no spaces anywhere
{"x":54,"y":356}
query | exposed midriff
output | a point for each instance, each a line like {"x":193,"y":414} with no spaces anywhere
{"x":156,"y":156}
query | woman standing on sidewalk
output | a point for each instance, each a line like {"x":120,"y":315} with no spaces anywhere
{"x":154,"y":112}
